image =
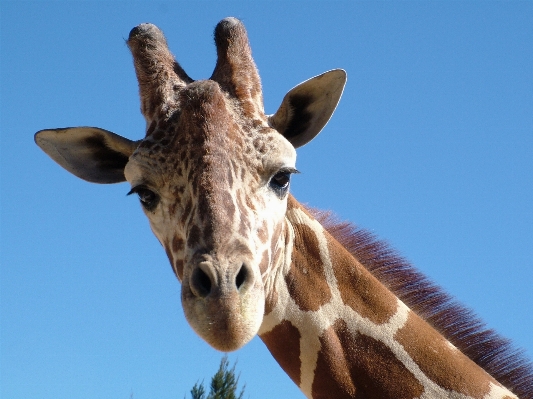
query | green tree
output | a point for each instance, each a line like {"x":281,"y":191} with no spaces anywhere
{"x":224,"y":384}
{"x":198,"y":391}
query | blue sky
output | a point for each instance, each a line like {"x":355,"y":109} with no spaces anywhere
{"x":431,"y":148}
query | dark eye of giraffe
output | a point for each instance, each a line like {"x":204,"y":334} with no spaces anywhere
{"x":148,"y":198}
{"x":281,"y":180}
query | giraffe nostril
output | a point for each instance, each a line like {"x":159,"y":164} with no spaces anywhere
{"x":241,"y":277}
{"x":204,"y":282}
{"x":201,"y":283}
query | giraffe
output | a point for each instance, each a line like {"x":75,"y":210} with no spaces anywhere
{"x":343,"y":315}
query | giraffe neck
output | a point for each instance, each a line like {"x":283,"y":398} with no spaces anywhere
{"x":339,"y":332}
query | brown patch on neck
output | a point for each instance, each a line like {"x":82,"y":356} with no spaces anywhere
{"x":332,"y":376}
{"x":306,"y":280}
{"x":359,"y":289}
{"x":283,"y":341}
{"x":372,"y":373}
{"x":444,"y":365}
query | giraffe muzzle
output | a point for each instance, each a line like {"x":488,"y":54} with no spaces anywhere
{"x":224,"y":303}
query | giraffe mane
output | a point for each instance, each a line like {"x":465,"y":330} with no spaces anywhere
{"x":457,"y":323}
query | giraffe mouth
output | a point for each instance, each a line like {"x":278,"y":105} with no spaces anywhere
{"x":224,"y":307}
{"x":226,"y":324}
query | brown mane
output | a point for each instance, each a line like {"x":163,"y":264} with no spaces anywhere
{"x":457,"y":323}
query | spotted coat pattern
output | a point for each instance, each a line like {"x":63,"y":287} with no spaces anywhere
{"x":338,"y":332}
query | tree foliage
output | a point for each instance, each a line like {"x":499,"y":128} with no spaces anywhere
{"x":224,"y":384}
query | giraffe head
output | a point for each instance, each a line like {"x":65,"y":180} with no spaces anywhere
{"x":212,"y":173}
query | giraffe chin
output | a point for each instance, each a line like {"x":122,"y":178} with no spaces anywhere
{"x":226,"y":323}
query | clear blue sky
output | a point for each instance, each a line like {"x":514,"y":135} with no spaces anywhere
{"x":431,"y":148}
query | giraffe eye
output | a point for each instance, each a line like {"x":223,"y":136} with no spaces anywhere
{"x":148,"y":198}
{"x":280,"y":182}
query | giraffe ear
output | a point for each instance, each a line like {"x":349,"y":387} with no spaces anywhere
{"x":306,"y":108}
{"x":89,"y":153}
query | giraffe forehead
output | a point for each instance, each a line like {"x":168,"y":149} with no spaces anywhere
{"x":215,"y":150}
{"x":208,"y":129}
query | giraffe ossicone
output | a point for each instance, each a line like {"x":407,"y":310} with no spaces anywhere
{"x":213,"y":174}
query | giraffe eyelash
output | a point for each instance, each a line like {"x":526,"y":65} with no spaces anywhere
{"x":280,"y":181}
{"x":292,"y":171}
{"x":149,"y":199}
